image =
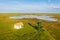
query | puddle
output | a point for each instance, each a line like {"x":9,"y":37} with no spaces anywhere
{"x":49,"y":18}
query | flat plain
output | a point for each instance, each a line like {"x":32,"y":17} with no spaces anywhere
{"x":7,"y":31}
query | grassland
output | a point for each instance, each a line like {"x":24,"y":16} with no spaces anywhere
{"x":7,"y":31}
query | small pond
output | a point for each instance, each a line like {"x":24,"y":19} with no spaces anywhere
{"x":48,"y":18}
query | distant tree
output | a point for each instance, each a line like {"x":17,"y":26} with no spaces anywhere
{"x":39,"y":26}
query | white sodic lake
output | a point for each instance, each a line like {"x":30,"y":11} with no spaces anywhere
{"x":48,"y":18}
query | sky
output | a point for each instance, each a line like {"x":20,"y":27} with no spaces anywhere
{"x":27,"y":6}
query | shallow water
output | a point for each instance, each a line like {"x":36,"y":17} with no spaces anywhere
{"x":49,"y":18}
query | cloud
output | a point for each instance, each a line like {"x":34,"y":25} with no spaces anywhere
{"x":16,"y":6}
